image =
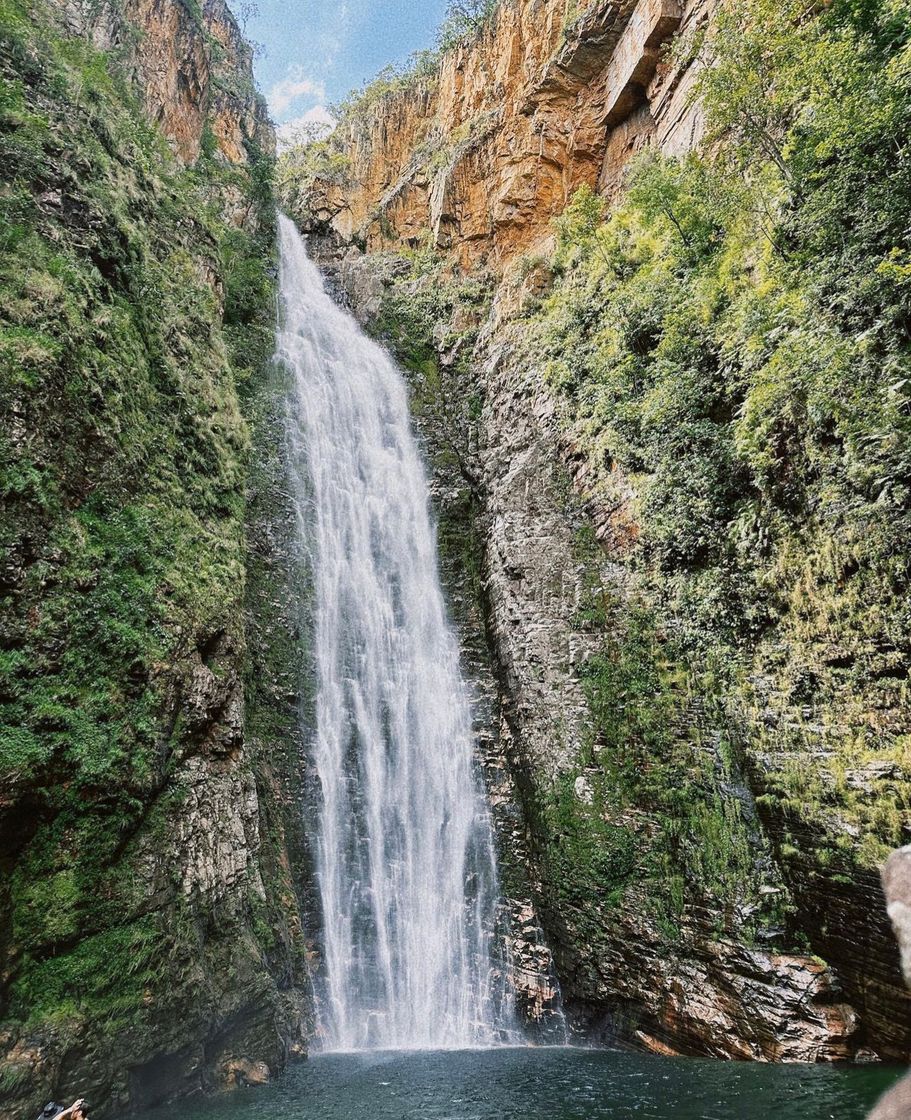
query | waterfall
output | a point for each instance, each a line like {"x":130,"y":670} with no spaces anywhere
{"x":404,"y":850}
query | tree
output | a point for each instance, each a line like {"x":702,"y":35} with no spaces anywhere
{"x":755,"y":61}
{"x":464,"y":19}
{"x":578,"y":225}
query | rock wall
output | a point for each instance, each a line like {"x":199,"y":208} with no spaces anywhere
{"x":509,"y":519}
{"x":189,"y":64}
{"x":787,"y":956}
{"x":150,"y":930}
{"x":482,"y":158}
{"x":710,"y":988}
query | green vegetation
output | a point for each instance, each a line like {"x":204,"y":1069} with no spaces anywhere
{"x":465,"y":20}
{"x":734,"y":339}
{"x":354,"y":109}
{"x":123,"y":453}
{"x":662,"y":818}
{"x":587,"y":858}
{"x":426,"y":313}
{"x":308,"y":169}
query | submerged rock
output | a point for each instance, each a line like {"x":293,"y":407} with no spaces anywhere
{"x":244,"y":1071}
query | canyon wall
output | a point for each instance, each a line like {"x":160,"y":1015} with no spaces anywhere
{"x":719,"y":893}
{"x":483,"y":156}
{"x":188,"y":64}
{"x":150,"y":937}
{"x":696,"y":754}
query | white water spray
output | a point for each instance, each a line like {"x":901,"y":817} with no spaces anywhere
{"x":405,"y":858}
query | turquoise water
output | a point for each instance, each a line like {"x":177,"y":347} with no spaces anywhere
{"x":548,"y":1084}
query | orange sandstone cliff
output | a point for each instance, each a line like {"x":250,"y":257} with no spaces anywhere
{"x":481,"y":158}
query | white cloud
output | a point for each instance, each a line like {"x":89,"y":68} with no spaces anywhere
{"x":290,"y":90}
{"x":315,"y":124}
{"x":335,"y":35}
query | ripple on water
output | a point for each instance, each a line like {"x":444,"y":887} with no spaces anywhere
{"x":548,"y":1084}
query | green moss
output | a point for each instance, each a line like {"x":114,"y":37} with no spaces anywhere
{"x":733,"y":340}
{"x":123,"y":457}
{"x":102,"y":981}
{"x":587,"y":857}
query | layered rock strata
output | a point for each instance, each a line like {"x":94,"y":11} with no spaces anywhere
{"x":150,"y":931}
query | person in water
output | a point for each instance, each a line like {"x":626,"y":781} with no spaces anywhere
{"x":54,"y":1111}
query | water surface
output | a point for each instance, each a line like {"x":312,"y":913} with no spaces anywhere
{"x":549,"y":1084}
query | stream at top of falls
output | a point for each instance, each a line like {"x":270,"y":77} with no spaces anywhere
{"x":412,"y":952}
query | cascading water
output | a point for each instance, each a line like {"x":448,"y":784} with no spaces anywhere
{"x":404,"y":853}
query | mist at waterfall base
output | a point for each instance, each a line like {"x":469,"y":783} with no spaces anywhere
{"x":404,"y":850}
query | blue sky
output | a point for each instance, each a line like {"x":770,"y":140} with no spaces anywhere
{"x":315,"y":51}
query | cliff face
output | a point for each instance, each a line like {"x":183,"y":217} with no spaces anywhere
{"x":149,"y":929}
{"x":700,"y":834}
{"x":189,"y":65}
{"x":483,"y":157}
{"x":518,"y":558}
